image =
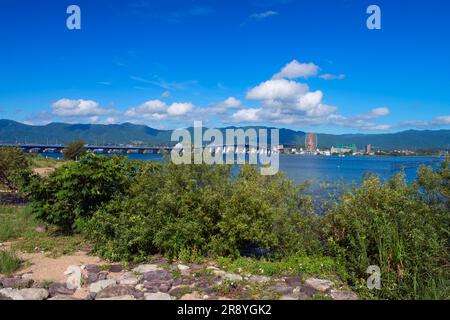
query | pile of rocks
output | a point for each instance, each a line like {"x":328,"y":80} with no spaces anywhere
{"x":163,"y":281}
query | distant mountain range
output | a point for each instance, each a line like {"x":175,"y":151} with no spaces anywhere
{"x":127,"y":133}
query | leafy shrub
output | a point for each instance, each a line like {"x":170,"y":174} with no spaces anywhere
{"x":14,"y":168}
{"x":74,"y":191}
{"x":390,"y":225}
{"x":190,"y":211}
{"x":74,"y":150}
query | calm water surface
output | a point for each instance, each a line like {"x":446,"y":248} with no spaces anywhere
{"x":333,"y":169}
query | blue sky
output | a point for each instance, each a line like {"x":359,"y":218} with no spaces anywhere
{"x":306,"y":65}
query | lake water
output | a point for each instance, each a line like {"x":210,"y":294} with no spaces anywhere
{"x":333,"y":169}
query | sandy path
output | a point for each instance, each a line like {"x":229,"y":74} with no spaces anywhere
{"x":44,"y":268}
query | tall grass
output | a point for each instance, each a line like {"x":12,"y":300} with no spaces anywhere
{"x":15,"y":222}
{"x":9,"y":262}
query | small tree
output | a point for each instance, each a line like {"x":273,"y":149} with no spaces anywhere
{"x":13,"y":165}
{"x":74,"y":150}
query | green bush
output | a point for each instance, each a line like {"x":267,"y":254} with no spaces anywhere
{"x":192,"y":210}
{"x":74,"y":150}
{"x":14,"y":168}
{"x":390,"y":225}
{"x":74,"y":191}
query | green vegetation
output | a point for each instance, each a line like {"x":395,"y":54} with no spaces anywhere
{"x":130,"y":210}
{"x":14,"y":166}
{"x":9,"y":262}
{"x":74,"y":150}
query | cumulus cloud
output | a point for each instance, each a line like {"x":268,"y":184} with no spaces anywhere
{"x":77,"y":108}
{"x":329,"y":76}
{"x":247,"y":115}
{"x":294,"y":70}
{"x":149,"y":107}
{"x":179,"y":109}
{"x":375,"y":113}
{"x":229,"y":103}
{"x":280,"y":89}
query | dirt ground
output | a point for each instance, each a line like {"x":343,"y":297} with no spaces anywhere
{"x":43,"y":268}
{"x":43,"y":172}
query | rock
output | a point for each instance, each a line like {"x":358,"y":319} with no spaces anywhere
{"x":319,"y":284}
{"x":259,"y":279}
{"x":281,"y":289}
{"x":24,"y":294}
{"x":179,"y":291}
{"x":343,"y":295}
{"x":128,"y":297}
{"x":192,"y":296}
{"x":157,"y":296}
{"x":73,"y":274}
{"x":165,"y":287}
{"x":16,"y":283}
{"x":129,"y":279}
{"x":119,"y":291}
{"x":157,"y":275}
{"x":183,"y":267}
{"x":10,"y":294}
{"x":41,"y":229}
{"x":58,"y":289}
{"x":34,"y":294}
{"x":289,"y":297}
{"x":92,"y":268}
{"x":144,"y":268}
{"x":61,"y":298}
{"x":115,"y":268}
{"x":232,"y":277}
{"x":27,"y":276}
{"x":100,"y":285}
{"x":293,"y":281}
{"x":82,"y":294}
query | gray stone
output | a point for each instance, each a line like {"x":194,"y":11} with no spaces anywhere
{"x":319,"y":284}
{"x":343,"y":295}
{"x":259,"y":279}
{"x":58,"y":289}
{"x":128,"y":297}
{"x":92,"y":268}
{"x":129,"y":279}
{"x":157,"y":296}
{"x":17,"y":283}
{"x":157,"y":275}
{"x":24,"y":294}
{"x":100,"y":285}
{"x":11,"y":294}
{"x":293,"y":281}
{"x":281,"y":289}
{"x":146,"y":268}
{"x":73,"y":274}
{"x":232,"y":277}
{"x":289,"y":297}
{"x":115,"y":268}
{"x":34,"y":294}
{"x":118,"y":291}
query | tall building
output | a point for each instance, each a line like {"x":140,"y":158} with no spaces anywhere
{"x":368,"y":148}
{"x":311,"y":142}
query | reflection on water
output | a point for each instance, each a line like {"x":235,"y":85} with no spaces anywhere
{"x":332,"y":169}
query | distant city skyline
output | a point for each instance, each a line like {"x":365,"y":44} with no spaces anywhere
{"x":312,"y":66}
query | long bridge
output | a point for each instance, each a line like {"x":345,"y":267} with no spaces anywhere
{"x":58,"y":148}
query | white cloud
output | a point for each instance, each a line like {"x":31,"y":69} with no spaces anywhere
{"x":77,"y":108}
{"x":442,"y":120}
{"x":179,"y":109}
{"x":294,"y":70}
{"x":263,"y":15}
{"x":149,"y":107}
{"x":329,"y":76}
{"x":166,"y":94}
{"x":281,"y":89}
{"x":229,"y":103}
{"x":374,"y":113}
{"x":247,"y":115}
